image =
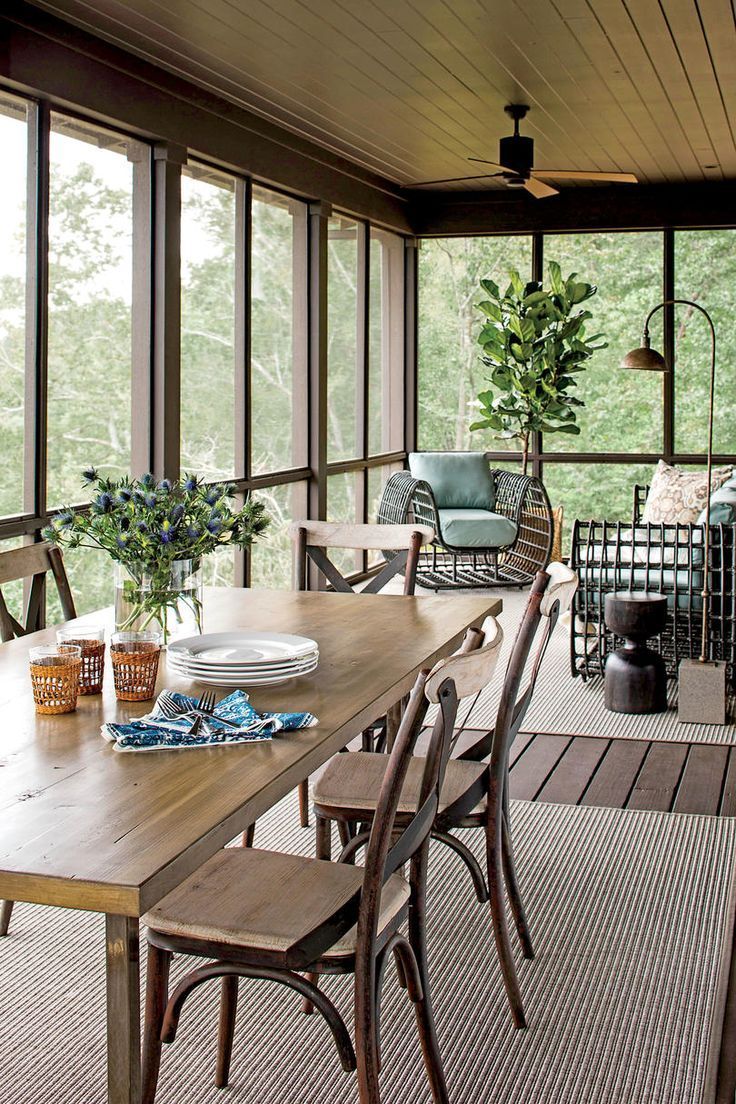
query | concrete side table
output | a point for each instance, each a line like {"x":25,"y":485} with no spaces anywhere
{"x":635,"y":676}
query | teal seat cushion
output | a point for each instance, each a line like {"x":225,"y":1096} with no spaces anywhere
{"x":460,"y":480}
{"x":476,"y":529}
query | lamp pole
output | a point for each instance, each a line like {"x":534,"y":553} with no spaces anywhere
{"x":711,"y":398}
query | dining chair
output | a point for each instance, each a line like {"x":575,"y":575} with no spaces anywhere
{"x":475,"y":791}
{"x":336,"y":918}
{"x":34,"y":562}
{"x":312,"y":541}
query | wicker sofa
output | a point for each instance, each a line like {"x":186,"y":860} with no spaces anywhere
{"x":667,"y":559}
{"x":489,"y":531}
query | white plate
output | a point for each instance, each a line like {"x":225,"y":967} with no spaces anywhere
{"x":221,"y":669}
{"x":235,"y":680}
{"x":243,"y":648}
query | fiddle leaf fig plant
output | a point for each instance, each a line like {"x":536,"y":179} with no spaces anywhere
{"x":534,"y":344}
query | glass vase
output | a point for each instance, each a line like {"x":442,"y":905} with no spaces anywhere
{"x":168,"y":599}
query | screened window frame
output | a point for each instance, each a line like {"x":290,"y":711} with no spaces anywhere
{"x":156,"y":324}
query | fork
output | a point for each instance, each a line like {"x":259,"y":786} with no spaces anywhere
{"x":172,"y":712}
{"x":205,"y":706}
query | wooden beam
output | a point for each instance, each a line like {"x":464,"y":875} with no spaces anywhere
{"x":48,"y":58}
{"x":616,"y":207}
{"x":319,"y":215}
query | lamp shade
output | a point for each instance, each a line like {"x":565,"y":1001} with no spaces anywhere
{"x":645,"y":360}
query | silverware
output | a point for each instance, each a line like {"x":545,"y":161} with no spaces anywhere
{"x":204,"y":707}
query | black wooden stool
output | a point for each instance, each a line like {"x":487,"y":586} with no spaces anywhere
{"x":635,"y":676}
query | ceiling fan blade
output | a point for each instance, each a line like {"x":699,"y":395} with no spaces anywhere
{"x":452,"y":180}
{"x":495,"y":164}
{"x":538,"y":189}
{"x":573,"y":174}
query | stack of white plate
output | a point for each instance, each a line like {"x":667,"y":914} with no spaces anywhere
{"x":243,"y":658}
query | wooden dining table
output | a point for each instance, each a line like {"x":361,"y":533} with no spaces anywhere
{"x":87,"y":827}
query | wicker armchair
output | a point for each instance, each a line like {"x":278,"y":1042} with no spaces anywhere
{"x":444,"y":565}
{"x":666,"y":559}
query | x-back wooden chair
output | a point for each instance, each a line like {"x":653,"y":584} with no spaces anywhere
{"x":336,"y":919}
{"x":312,"y":541}
{"x":34,"y":562}
{"x":475,"y":790}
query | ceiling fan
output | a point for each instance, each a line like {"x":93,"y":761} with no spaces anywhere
{"x":516,"y":160}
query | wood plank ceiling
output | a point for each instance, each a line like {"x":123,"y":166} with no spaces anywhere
{"x":410,"y":88}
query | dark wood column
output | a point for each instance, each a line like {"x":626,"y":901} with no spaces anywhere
{"x":411,"y":363}
{"x":319,"y":214}
{"x":166,"y":390}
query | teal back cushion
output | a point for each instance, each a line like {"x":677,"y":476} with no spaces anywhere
{"x":457,"y":479}
{"x":722,"y":505}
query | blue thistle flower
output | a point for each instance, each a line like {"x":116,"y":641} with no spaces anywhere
{"x":191,"y":483}
{"x":142,"y":527}
{"x":64,"y":520}
{"x":89,"y":475}
{"x":147,"y":480}
{"x":124,"y":495}
{"x":103,"y":503}
{"x":122,"y":540}
{"x":166,"y":536}
{"x":177,"y":513}
{"x":214,"y":525}
{"x":193,"y":532}
{"x":212,"y":496}
{"x":49,"y":533}
{"x":165,"y":485}
{"x":150,"y":500}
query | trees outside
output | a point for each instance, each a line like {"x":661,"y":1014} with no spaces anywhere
{"x":623,"y":410}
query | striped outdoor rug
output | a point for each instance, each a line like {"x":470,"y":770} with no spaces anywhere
{"x":567,"y":706}
{"x":623,"y":1000}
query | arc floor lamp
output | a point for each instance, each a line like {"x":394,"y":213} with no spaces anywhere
{"x":702,"y":682}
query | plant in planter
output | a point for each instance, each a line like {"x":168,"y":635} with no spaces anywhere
{"x":157,"y":533}
{"x":534,"y":343}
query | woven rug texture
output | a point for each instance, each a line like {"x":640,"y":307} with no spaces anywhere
{"x":632,"y":918}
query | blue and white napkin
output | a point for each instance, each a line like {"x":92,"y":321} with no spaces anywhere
{"x":156,"y":732}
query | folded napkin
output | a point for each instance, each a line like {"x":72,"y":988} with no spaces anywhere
{"x":156,"y":732}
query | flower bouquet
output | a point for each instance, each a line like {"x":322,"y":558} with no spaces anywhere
{"x":157,"y":532}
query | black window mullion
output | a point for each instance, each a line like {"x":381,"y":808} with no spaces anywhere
{"x":668,"y":321}
{"x":242,"y":358}
{"x":37,"y":283}
{"x":537,"y":442}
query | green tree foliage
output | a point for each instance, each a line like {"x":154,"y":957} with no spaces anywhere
{"x":534,"y":343}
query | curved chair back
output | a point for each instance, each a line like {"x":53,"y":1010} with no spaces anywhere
{"x":312,"y":538}
{"x":33,"y":562}
{"x":549,"y":597}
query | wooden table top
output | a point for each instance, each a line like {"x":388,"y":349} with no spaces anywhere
{"x":85,"y":826}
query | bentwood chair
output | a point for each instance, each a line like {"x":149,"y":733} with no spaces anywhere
{"x":475,"y":789}
{"x":336,"y":918}
{"x":313,"y":539}
{"x":34,"y":562}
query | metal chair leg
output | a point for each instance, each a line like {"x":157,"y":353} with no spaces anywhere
{"x":498,"y":918}
{"x":6,"y":911}
{"x":157,"y":986}
{"x":228,"y":1012}
{"x":303,"y":790}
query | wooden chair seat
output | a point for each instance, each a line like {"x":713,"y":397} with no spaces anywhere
{"x":350,"y":784}
{"x":271,"y":903}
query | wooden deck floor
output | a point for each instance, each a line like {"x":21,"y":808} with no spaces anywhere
{"x":624,"y":774}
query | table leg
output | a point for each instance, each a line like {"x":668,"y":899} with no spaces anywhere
{"x":393,"y":719}
{"x":123,"y":1011}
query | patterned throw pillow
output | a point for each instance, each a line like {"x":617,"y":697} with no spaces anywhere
{"x":676,"y":495}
